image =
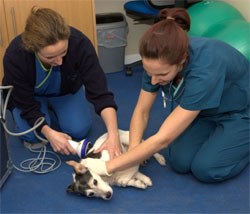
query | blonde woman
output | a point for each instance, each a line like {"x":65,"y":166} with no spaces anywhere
{"x":54,"y":70}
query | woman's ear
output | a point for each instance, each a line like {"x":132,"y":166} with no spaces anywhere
{"x":184,"y":58}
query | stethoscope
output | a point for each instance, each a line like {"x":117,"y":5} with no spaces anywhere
{"x":173,"y":95}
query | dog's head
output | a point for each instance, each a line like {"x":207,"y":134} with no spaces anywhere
{"x":88,"y":183}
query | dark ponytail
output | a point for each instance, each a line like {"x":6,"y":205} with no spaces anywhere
{"x":179,"y":15}
{"x":167,"y":40}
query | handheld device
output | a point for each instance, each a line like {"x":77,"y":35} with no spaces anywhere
{"x":81,"y":147}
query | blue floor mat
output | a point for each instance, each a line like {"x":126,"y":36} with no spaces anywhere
{"x":170,"y":193}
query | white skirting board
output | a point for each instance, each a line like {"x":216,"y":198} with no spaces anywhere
{"x":132,"y":58}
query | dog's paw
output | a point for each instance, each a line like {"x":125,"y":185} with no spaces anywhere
{"x":160,"y":159}
{"x":123,"y":177}
{"x":139,"y":180}
{"x":122,"y":182}
{"x":137,"y":183}
{"x":131,"y":182}
{"x":143,"y":178}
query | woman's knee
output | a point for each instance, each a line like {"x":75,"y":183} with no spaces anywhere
{"x":81,"y":131}
{"x":30,"y":138}
{"x":178,"y":161}
{"x":212,"y":172}
{"x":202,"y":172}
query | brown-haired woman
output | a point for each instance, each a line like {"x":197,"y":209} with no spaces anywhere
{"x":48,"y":65}
{"x":207,"y":133}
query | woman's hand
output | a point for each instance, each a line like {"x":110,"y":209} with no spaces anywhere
{"x":58,"y":141}
{"x":112,"y":142}
{"x":112,"y":145}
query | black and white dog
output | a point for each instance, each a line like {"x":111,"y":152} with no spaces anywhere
{"x":86,"y":182}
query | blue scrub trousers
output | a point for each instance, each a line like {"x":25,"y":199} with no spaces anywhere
{"x":212,"y":148}
{"x":69,"y":114}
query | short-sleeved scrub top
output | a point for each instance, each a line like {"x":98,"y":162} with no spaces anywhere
{"x":216,"y":82}
{"x":216,"y":79}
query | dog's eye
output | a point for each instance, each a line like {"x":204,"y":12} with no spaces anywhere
{"x":95,"y":182}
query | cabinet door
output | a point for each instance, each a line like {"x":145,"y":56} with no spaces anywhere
{"x":3,"y":38}
{"x":77,"y":13}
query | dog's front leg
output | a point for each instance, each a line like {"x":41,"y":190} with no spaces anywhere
{"x":132,"y":177}
{"x":140,"y":181}
{"x":123,"y":177}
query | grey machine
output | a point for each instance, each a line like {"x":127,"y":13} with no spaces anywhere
{"x":6,"y":165}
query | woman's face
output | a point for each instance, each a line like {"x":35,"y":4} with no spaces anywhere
{"x":160,"y":73}
{"x":53,"y":54}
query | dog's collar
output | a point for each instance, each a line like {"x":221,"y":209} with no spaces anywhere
{"x":85,"y":146}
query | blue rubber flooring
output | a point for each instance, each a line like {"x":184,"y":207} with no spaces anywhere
{"x":170,"y":193}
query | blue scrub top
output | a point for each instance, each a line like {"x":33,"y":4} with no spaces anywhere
{"x":216,"y":79}
{"x":48,"y":82}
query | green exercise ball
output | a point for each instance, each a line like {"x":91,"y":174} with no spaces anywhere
{"x":234,"y":32}
{"x":206,"y":14}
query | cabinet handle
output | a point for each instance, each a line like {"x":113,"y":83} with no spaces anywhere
{"x":1,"y":38}
{"x":13,"y":16}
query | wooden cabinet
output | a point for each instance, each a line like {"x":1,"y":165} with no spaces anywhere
{"x":4,"y":40}
{"x":77,"y":13}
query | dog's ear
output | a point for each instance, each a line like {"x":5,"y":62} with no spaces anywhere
{"x":79,"y":168}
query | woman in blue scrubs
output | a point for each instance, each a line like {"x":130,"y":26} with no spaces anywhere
{"x":207,"y":133}
{"x":55,"y":74}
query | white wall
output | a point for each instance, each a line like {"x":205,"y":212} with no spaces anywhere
{"x":136,"y":31}
{"x":242,"y":5}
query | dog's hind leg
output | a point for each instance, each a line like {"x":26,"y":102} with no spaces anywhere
{"x":160,"y":159}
